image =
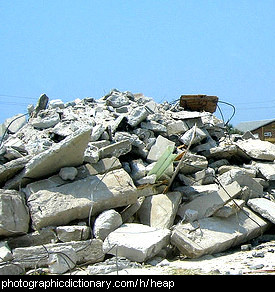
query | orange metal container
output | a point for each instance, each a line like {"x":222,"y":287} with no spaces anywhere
{"x":199,"y":102}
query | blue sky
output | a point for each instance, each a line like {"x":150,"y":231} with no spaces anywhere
{"x":162,"y":48}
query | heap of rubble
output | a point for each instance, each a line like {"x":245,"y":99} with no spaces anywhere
{"x":128,"y":177}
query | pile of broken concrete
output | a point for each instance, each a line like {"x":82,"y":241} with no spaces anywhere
{"x":127,"y":177}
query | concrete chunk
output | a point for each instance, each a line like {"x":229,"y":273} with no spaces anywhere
{"x":110,"y":190}
{"x":137,"y":115}
{"x":13,"y":213}
{"x":68,"y":173}
{"x":158,"y":148}
{"x":207,"y":205}
{"x":243,"y":179}
{"x":37,"y":256}
{"x":53,"y":209}
{"x":193,"y":163}
{"x":264,"y":207}
{"x":105,"y":223}
{"x":15,"y":123}
{"x":62,"y":259}
{"x":160,"y":210}
{"x":72,"y":233}
{"x":257,"y":149}
{"x":212,"y":235}
{"x":116,"y":149}
{"x":267,"y":169}
{"x":68,"y":152}
{"x":136,"y":242}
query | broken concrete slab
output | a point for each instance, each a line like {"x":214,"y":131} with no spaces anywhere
{"x":11,"y":168}
{"x":207,"y":205}
{"x":243,"y":179}
{"x":193,"y":163}
{"x":68,"y":152}
{"x":53,"y":208}
{"x":158,"y":148}
{"x":110,"y":190}
{"x":14,"y":213}
{"x":37,"y":256}
{"x":227,"y":151}
{"x":176,"y":127}
{"x":105,"y":223}
{"x":45,"y":122}
{"x":137,"y":115}
{"x":116,"y":149}
{"x":136,"y":242}
{"x":62,"y":259}
{"x":160,"y":210}
{"x":230,"y":208}
{"x":39,"y":237}
{"x":264,"y":207}
{"x":102,"y":166}
{"x":72,"y":233}
{"x":267,"y":169}
{"x":257,"y":149}
{"x":212,"y":235}
{"x":199,"y":135}
{"x":15,"y":123}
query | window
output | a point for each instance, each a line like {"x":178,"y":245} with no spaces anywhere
{"x":267,"y":134}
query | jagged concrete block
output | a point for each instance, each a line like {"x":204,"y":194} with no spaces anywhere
{"x":37,"y":256}
{"x":39,"y":237}
{"x":160,"y":210}
{"x":212,"y":235}
{"x":116,"y":149}
{"x":68,"y":152}
{"x":110,"y":190}
{"x":72,"y":233}
{"x":193,"y":163}
{"x":15,"y":123}
{"x":243,"y":179}
{"x":257,"y":149}
{"x":106,"y":222}
{"x":53,"y":209}
{"x":207,"y":205}
{"x":9,"y":169}
{"x":62,"y":259}
{"x":136,"y":242}
{"x":267,"y":169}
{"x":158,"y":148}
{"x":137,"y":115}
{"x":264,"y":207}
{"x":13,"y":213}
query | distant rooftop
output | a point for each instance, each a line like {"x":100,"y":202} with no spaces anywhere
{"x":253,"y":125}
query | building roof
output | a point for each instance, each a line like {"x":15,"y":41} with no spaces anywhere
{"x":253,"y":125}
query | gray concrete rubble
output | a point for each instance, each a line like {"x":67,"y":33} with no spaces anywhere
{"x":137,"y":242}
{"x":213,"y":234}
{"x":127,"y":177}
{"x":264,"y":207}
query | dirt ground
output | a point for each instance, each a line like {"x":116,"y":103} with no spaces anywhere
{"x":256,"y":257}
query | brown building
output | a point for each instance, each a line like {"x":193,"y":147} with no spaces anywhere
{"x":264,"y":130}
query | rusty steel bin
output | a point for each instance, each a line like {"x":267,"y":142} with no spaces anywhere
{"x":199,"y":102}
